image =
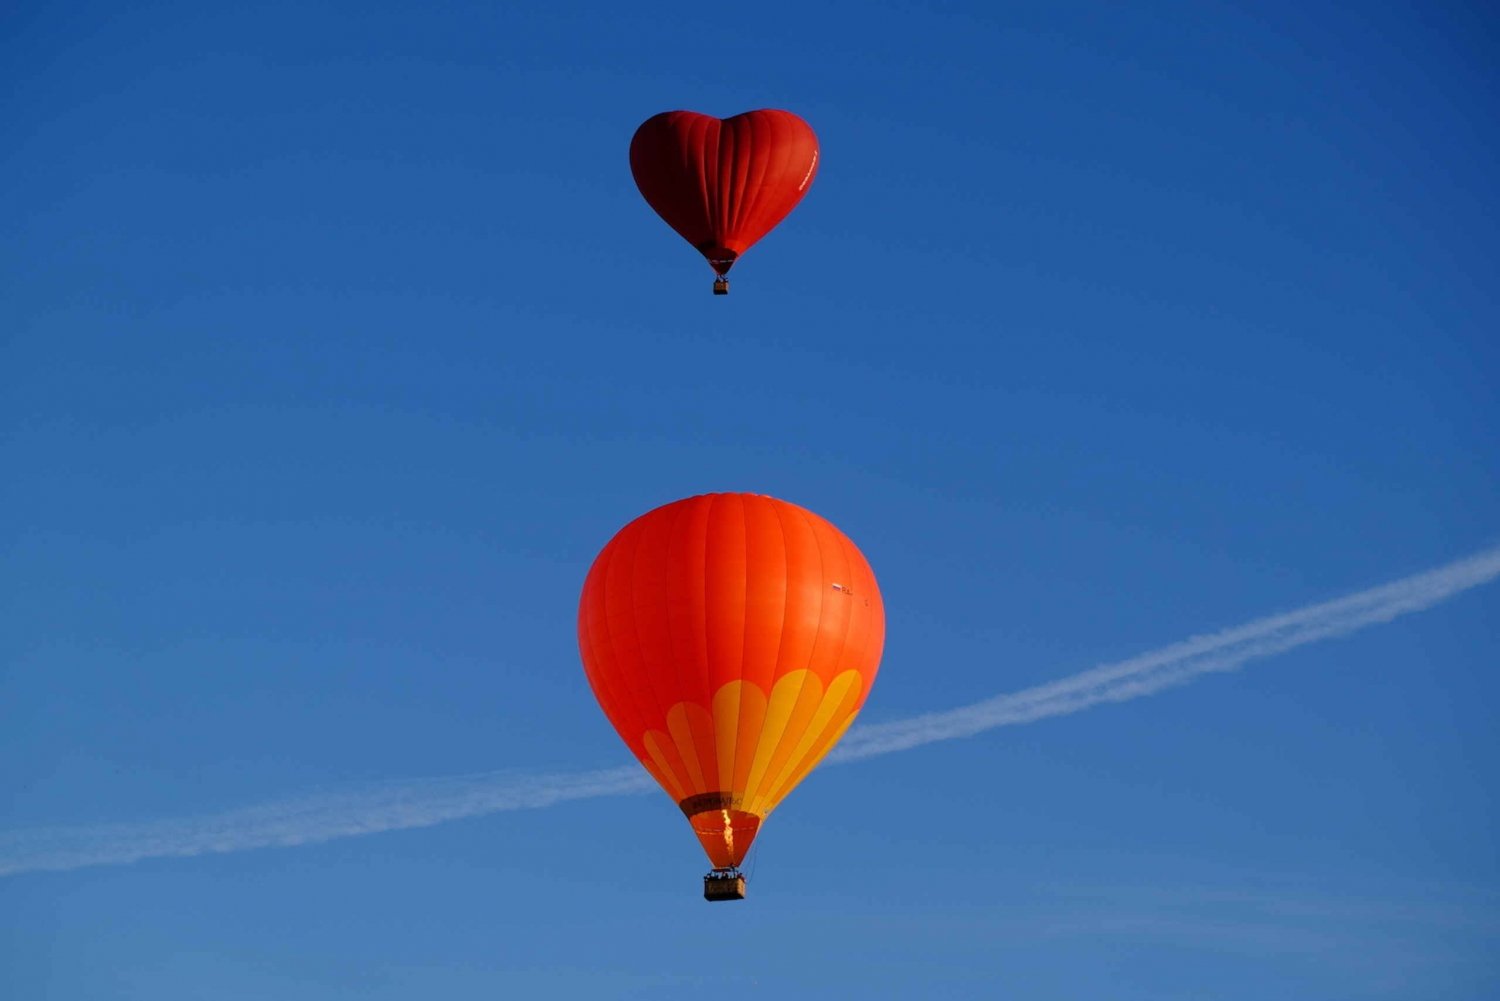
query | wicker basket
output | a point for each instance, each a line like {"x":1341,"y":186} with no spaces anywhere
{"x":723,"y":887}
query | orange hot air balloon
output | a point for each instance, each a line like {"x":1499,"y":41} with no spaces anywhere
{"x":731,"y":639}
{"x":723,"y":184}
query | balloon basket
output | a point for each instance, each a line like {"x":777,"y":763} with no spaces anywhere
{"x":721,"y":286}
{"x":724,"y":884}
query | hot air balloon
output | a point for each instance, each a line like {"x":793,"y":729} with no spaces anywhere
{"x":730,"y":639}
{"x":722,"y":184}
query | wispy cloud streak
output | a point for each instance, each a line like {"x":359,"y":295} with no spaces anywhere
{"x":1226,"y":650}
{"x":311,"y":818}
{"x":423,"y":803}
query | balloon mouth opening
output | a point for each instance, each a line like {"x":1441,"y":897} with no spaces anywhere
{"x":725,"y":832}
{"x":721,"y":259}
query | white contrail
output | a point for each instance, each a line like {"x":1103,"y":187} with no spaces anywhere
{"x":309,"y":819}
{"x":1173,"y":665}
{"x":396,"y":806}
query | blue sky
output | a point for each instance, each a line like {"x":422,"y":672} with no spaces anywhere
{"x":337,"y":340}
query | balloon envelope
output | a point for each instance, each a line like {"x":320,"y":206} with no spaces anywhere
{"x":723,"y":184}
{"x":731,"y":639}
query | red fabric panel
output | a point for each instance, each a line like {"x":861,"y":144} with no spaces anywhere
{"x":724,"y":184}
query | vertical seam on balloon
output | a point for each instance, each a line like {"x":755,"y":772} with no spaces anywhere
{"x":872,"y":651}
{"x":667,"y":605}
{"x":855,"y":559}
{"x":701,"y":689}
{"x":708,"y":668}
{"x":599,"y":631}
{"x":622,"y":691}
{"x":735,"y":189}
{"x":766,"y":170}
{"x":632,"y":683}
{"x":709,"y":160}
{"x":646,"y":668}
{"x":724,"y":182}
{"x":727,"y":782}
{"x":593,"y":655}
{"x":745,"y":503}
{"x":747,"y":189}
{"x":786,"y":606}
{"x":743,"y":189}
{"x":817,"y":636}
{"x":761,"y":151}
{"x":847,"y":547}
{"x":695,"y":127}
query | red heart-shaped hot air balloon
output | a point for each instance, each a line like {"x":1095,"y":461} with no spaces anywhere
{"x":722,"y":184}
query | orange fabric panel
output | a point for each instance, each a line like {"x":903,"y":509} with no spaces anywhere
{"x":730,"y":639}
{"x":723,"y":184}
